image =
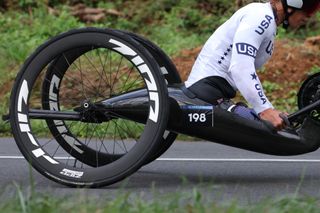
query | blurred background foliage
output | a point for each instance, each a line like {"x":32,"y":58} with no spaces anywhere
{"x":172,"y":24}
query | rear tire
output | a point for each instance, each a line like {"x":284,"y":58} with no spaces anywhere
{"x":168,"y":70}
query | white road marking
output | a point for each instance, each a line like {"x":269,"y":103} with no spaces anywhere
{"x":21,"y":157}
{"x":240,"y":160}
{"x":11,"y":157}
{"x":270,"y":160}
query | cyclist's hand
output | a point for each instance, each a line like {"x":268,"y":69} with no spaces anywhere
{"x":273,"y":116}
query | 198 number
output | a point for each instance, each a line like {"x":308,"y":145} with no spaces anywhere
{"x":196,"y":117}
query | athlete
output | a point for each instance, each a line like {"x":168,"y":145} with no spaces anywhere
{"x":230,"y":58}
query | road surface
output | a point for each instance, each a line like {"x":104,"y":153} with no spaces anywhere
{"x":219,"y":172}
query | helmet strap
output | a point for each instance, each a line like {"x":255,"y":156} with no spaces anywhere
{"x":287,"y":15}
{"x":286,"y":22}
{"x":286,"y":19}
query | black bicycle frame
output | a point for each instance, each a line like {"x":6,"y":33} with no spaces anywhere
{"x":197,"y":118}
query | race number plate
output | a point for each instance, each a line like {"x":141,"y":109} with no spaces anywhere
{"x":198,"y":115}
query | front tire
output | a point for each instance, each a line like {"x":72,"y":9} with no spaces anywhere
{"x":36,"y":141}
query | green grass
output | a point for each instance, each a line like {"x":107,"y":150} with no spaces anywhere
{"x":27,"y":201}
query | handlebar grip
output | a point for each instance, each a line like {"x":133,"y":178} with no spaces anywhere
{"x":284,"y":117}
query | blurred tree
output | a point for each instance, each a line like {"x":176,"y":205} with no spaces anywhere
{"x":241,"y":3}
{"x":15,"y":4}
{"x":26,"y":4}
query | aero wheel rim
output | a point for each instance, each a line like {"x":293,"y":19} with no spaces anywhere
{"x":66,"y":94}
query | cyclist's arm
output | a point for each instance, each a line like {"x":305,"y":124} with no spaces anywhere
{"x":242,"y":67}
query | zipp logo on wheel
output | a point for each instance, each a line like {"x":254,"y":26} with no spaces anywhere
{"x":59,"y":124}
{"x":24,"y":124}
{"x":146,"y":73}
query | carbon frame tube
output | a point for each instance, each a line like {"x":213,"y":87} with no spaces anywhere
{"x":217,"y":125}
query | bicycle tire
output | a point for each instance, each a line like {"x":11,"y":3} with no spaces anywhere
{"x":308,"y":89}
{"x":25,"y":87}
{"x":168,"y":70}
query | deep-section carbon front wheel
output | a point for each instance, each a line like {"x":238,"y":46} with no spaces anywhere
{"x":68,"y":108}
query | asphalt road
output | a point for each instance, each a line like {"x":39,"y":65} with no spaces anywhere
{"x":220,"y":173}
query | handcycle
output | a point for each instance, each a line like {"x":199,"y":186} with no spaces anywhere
{"x":91,"y":106}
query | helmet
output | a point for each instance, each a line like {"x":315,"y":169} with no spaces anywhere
{"x":308,"y":6}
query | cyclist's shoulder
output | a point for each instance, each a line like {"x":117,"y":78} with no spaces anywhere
{"x":256,"y":6}
{"x":255,"y":14}
{"x":256,"y":11}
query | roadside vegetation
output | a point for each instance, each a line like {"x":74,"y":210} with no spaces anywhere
{"x":32,"y":202}
{"x":174,"y":25}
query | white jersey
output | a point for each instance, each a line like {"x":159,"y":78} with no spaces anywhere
{"x":236,"y":49}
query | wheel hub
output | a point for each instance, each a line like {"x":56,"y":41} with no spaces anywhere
{"x":91,"y":113}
